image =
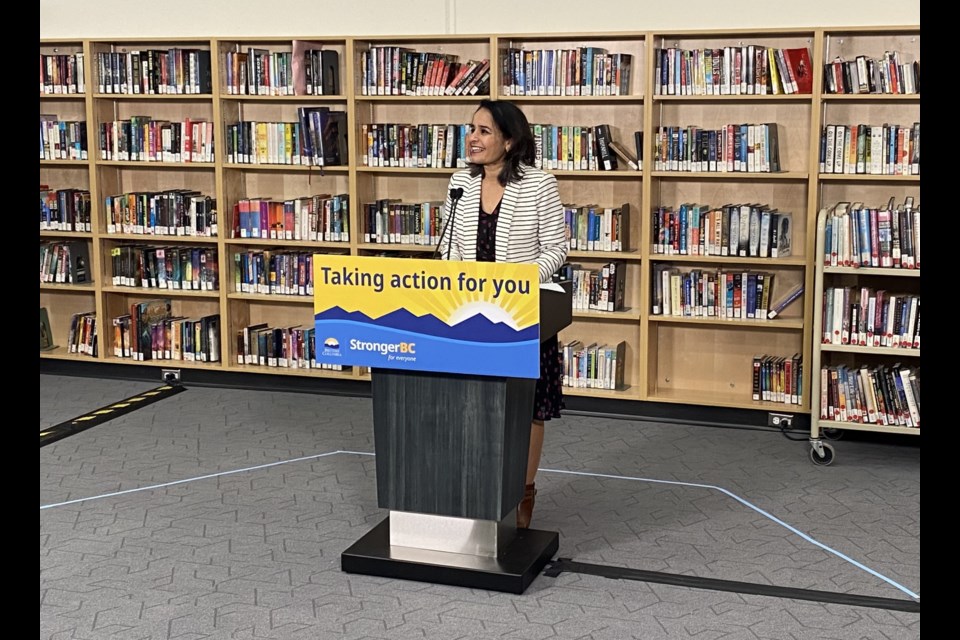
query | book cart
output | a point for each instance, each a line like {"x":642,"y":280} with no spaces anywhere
{"x":843,"y":187}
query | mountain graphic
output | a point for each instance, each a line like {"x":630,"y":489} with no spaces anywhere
{"x":476,"y":328}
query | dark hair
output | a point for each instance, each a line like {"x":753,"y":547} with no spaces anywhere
{"x":514,"y":127}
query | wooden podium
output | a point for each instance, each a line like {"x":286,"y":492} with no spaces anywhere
{"x":451,"y":465}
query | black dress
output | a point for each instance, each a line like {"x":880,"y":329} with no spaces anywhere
{"x":548,"y":400}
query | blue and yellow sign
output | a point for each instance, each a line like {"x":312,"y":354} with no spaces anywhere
{"x":428,"y":315}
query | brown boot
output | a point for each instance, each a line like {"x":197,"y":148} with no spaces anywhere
{"x":525,"y":508}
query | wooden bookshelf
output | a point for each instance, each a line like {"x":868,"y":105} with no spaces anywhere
{"x":63,"y":301}
{"x":701,"y":361}
{"x":624,"y":113}
{"x":708,"y":360}
{"x":847,"y":43}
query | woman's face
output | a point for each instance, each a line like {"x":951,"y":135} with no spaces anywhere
{"x":485,"y":142}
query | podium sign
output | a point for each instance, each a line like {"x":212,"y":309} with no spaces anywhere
{"x":478,"y":318}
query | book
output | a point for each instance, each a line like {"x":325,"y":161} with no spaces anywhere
{"x":638,"y":145}
{"x":145,"y":315}
{"x":616,"y":285}
{"x":324,"y":135}
{"x":782,"y":240}
{"x":624,"y":155}
{"x":771,"y":144}
{"x":801,"y":69}
{"x":46,"y":334}
{"x":325,"y":71}
{"x":785,"y":302}
{"x":607,"y":160}
{"x":80,"y":267}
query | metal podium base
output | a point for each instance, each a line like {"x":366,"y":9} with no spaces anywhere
{"x":511,"y":572}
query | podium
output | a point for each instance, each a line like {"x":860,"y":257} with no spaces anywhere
{"x":451,"y":460}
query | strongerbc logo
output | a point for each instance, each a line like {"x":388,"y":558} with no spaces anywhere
{"x":331,"y":347}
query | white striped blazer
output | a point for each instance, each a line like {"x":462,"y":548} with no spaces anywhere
{"x":530,"y":226}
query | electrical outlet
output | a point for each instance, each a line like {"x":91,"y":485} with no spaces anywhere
{"x":780,"y":420}
{"x":171,"y":375}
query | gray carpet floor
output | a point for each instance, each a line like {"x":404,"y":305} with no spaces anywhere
{"x":222,"y":513}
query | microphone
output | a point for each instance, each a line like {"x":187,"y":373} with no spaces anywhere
{"x":455,"y":195}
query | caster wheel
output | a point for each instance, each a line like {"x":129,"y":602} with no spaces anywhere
{"x":832,"y":434}
{"x":828,"y":455}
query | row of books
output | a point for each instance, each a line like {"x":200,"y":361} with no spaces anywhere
{"x":720,"y":293}
{"x":397,"y":71}
{"x":62,"y":139}
{"x":174,"y":212}
{"x":260,"y":72}
{"x":65,"y":262}
{"x":778,"y":379}
{"x":143,"y":139}
{"x":870,"y":317}
{"x":444,"y":146}
{"x":155,"y":71}
{"x":283,"y":347}
{"x":180,"y":268}
{"x":324,"y":134}
{"x":601,"y":289}
{"x":578,"y":148}
{"x":888,"y":149}
{"x":62,"y":73}
{"x":881,"y":395}
{"x":64,"y":209}
{"x":594,"y":365}
{"x":316,"y":218}
{"x":891,"y":74}
{"x":151,"y":332}
{"x":886,"y":236}
{"x":273,"y":272}
{"x":318,"y":138}
{"x":268,"y":143}
{"x":391,"y":70}
{"x":82,"y":336}
{"x":733,"y":70}
{"x":583,"y":71}
{"x":593,"y":228}
{"x":393,"y":222}
{"x":174,"y":338}
{"x":743,"y":230}
{"x":413,"y":145}
{"x":321,"y":71}
{"x":753,"y":148}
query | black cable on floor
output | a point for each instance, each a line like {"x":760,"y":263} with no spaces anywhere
{"x":561,"y":565}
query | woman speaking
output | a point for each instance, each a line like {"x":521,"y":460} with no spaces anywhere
{"x":510,"y":211}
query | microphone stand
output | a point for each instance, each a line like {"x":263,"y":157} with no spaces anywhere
{"x":455,"y":195}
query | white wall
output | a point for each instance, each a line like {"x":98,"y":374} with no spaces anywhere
{"x":179,"y":18}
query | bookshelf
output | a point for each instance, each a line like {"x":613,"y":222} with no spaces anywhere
{"x":276,"y":92}
{"x":403,"y":120}
{"x":146,"y":95}
{"x":708,"y":360}
{"x":625,"y":114}
{"x":839,"y":193}
{"x":688,"y":360}
{"x":65,"y":97}
{"x":404,"y":115}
